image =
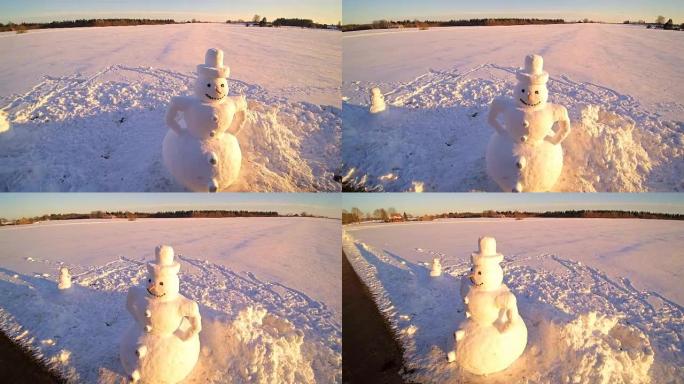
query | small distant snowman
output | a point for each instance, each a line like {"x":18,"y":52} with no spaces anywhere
{"x":162,"y":345}
{"x":525,"y":153}
{"x":205,"y":155}
{"x":377,"y":101}
{"x":64,"y":278}
{"x":493,"y":335}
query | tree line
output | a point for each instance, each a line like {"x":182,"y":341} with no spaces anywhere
{"x":83,"y":23}
{"x":387,"y":24}
{"x":136,"y":215}
{"x":391,"y":214}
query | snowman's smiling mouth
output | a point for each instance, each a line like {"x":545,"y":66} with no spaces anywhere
{"x":214,"y":98}
{"x":474,"y":283}
{"x":530,"y":105}
{"x":150,"y":292}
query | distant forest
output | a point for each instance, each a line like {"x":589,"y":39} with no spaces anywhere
{"x":391,"y":215}
{"x":388,"y":24}
{"x":131,"y":216}
{"x":82,"y":23}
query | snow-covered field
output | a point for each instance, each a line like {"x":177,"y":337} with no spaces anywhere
{"x":87,"y":105}
{"x":269,"y":291}
{"x":602,"y":298}
{"x":621,"y":85}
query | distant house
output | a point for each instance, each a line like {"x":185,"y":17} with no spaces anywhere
{"x":396,"y":218}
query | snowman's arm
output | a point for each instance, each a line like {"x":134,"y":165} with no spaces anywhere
{"x":178,"y":104}
{"x":510,"y":305}
{"x":560,"y":115}
{"x":240,"y":103}
{"x":130,"y":302}
{"x":191,"y":311}
{"x":495,"y":109}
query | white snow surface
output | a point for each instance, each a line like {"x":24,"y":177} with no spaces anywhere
{"x":601,"y":298}
{"x":619,"y":83}
{"x":268,"y":290}
{"x":87,"y":105}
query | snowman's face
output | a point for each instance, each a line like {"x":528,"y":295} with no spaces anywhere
{"x":162,"y":285}
{"x":487,"y":277}
{"x":531,"y":95}
{"x":211,"y":89}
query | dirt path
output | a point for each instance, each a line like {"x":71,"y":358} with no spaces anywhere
{"x":17,"y":366}
{"x":369,"y":352}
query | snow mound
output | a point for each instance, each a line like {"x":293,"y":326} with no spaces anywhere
{"x":259,"y":347}
{"x":103,"y":132}
{"x":619,"y":157}
{"x":434,"y":133}
{"x":593,"y":348}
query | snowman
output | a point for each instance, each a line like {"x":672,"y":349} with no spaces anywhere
{"x":436,"y":269}
{"x":377,"y":100}
{"x":205,"y":155}
{"x":64,"y":278}
{"x":525,"y":154}
{"x":493,"y":335}
{"x":162,"y":345}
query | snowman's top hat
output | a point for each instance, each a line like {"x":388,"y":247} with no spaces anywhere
{"x":533,"y":72}
{"x":486,"y":252}
{"x":213,"y":65}
{"x":163,"y":261}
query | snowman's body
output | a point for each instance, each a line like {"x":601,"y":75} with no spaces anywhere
{"x":493,"y":335}
{"x":524,"y":154}
{"x":205,"y":156}
{"x":64,"y":278}
{"x":162,"y":346}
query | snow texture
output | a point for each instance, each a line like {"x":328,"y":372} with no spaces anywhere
{"x":601,"y":298}
{"x":619,"y":84}
{"x":277,"y":327}
{"x":93,"y":120}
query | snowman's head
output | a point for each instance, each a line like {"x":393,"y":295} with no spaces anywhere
{"x":162,"y":275}
{"x":211,"y":89}
{"x":486,"y":273}
{"x":487,"y":276}
{"x":212,"y":77}
{"x":531,"y":90}
{"x":531,"y":95}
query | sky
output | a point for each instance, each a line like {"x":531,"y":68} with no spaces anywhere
{"x":322,"y":11}
{"x":430,"y":203}
{"x":17,"y":205}
{"x":364,"y":11}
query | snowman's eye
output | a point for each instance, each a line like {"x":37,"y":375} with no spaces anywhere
{"x":149,"y":280}
{"x":161,"y":283}
{"x":479,"y":273}
{"x":223,"y":85}
{"x":208,"y":85}
{"x":523,"y":90}
{"x":536,"y":92}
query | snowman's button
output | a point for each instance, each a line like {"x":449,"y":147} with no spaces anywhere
{"x":148,"y":313}
{"x":526,"y":123}
{"x":215,"y":117}
{"x":148,"y":328}
{"x":523,"y":138}
{"x":212,"y":133}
